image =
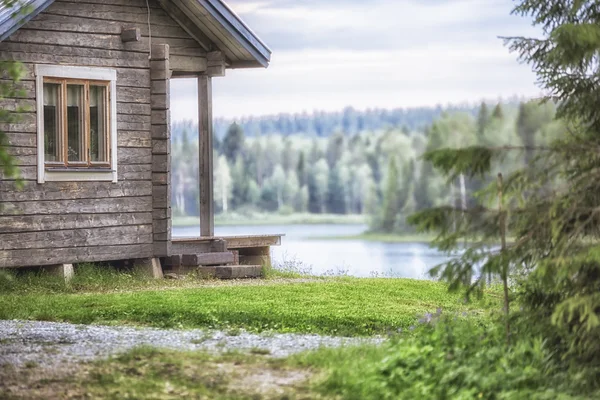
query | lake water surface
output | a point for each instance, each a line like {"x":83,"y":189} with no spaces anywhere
{"x":325,"y":257}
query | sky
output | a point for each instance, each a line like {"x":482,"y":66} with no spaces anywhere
{"x":329,"y":54}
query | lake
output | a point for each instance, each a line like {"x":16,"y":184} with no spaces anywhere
{"x":334,"y":257}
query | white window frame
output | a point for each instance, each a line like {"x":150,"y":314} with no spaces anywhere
{"x":72,"y":72}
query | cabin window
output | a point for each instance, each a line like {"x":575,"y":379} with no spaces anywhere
{"x":76,"y":123}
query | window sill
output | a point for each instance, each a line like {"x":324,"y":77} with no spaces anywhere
{"x":78,"y":169}
{"x":79,"y":175}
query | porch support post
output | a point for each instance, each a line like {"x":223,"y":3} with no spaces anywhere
{"x":205,"y":164}
{"x":160,"y":74}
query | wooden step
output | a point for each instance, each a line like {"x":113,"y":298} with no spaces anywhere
{"x":220,"y":272}
{"x":238,"y":271}
{"x":195,"y":260}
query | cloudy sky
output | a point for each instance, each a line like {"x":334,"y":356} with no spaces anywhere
{"x":328,"y":54}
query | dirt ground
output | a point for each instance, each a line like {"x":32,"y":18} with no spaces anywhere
{"x":225,"y":379}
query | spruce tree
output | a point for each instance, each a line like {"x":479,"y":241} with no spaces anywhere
{"x":407,"y":184}
{"x":483,"y":118}
{"x":240,"y":180}
{"x":556,"y":247}
{"x":498,"y":113}
{"x":336,"y":192}
{"x":233,"y":142}
{"x":422,"y":193}
{"x":301,"y":170}
{"x":526,"y":129}
{"x":560,"y":225}
{"x":390,"y":198}
{"x":335,"y":149}
{"x":314,"y":201}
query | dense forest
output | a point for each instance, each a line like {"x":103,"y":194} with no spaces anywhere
{"x":349,"y":120}
{"x":376,"y":172}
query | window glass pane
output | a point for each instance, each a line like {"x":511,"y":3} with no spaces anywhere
{"x":52,"y":142}
{"x":98,"y":124}
{"x":75,"y":129}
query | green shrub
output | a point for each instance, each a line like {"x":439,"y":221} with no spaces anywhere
{"x":457,"y":358}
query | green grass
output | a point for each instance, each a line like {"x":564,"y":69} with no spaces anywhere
{"x":88,"y":278}
{"x":232,"y":219}
{"x":339,"y":306}
{"x":340,"y":371}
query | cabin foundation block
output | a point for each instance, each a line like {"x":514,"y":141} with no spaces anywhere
{"x":64,"y":271}
{"x":256,"y":256}
{"x":149,"y":267}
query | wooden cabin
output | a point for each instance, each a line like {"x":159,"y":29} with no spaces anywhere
{"x":93,"y":143}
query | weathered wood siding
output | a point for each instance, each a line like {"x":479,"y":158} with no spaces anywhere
{"x":65,"y":222}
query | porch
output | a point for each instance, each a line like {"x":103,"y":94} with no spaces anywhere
{"x":223,"y":257}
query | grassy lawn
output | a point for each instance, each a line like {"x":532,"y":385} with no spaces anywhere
{"x":273,"y":219}
{"x":337,"y":306}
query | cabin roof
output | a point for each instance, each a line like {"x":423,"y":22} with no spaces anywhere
{"x":211,"y":22}
{"x":11,"y":19}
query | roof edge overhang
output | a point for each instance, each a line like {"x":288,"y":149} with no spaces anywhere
{"x":218,"y":10}
{"x":10,"y":25}
{"x":221,"y":12}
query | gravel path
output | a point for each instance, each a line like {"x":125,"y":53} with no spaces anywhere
{"x":51,"y":344}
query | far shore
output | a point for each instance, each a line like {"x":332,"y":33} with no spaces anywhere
{"x":264,"y":219}
{"x":273,"y":219}
{"x":379,"y":237}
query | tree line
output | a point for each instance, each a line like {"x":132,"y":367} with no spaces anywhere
{"x":378,"y":173}
{"x":349,"y":120}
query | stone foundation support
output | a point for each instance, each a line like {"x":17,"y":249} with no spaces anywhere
{"x":149,"y":267}
{"x":64,"y":271}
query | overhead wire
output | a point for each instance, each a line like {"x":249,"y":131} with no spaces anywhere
{"x":149,"y":31}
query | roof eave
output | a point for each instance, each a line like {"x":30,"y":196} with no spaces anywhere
{"x":242,"y":33}
{"x":10,"y":26}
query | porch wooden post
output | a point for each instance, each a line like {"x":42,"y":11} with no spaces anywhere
{"x":205,"y":165}
{"x":160,"y":74}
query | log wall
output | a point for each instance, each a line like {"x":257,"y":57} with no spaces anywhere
{"x":69,"y":222}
